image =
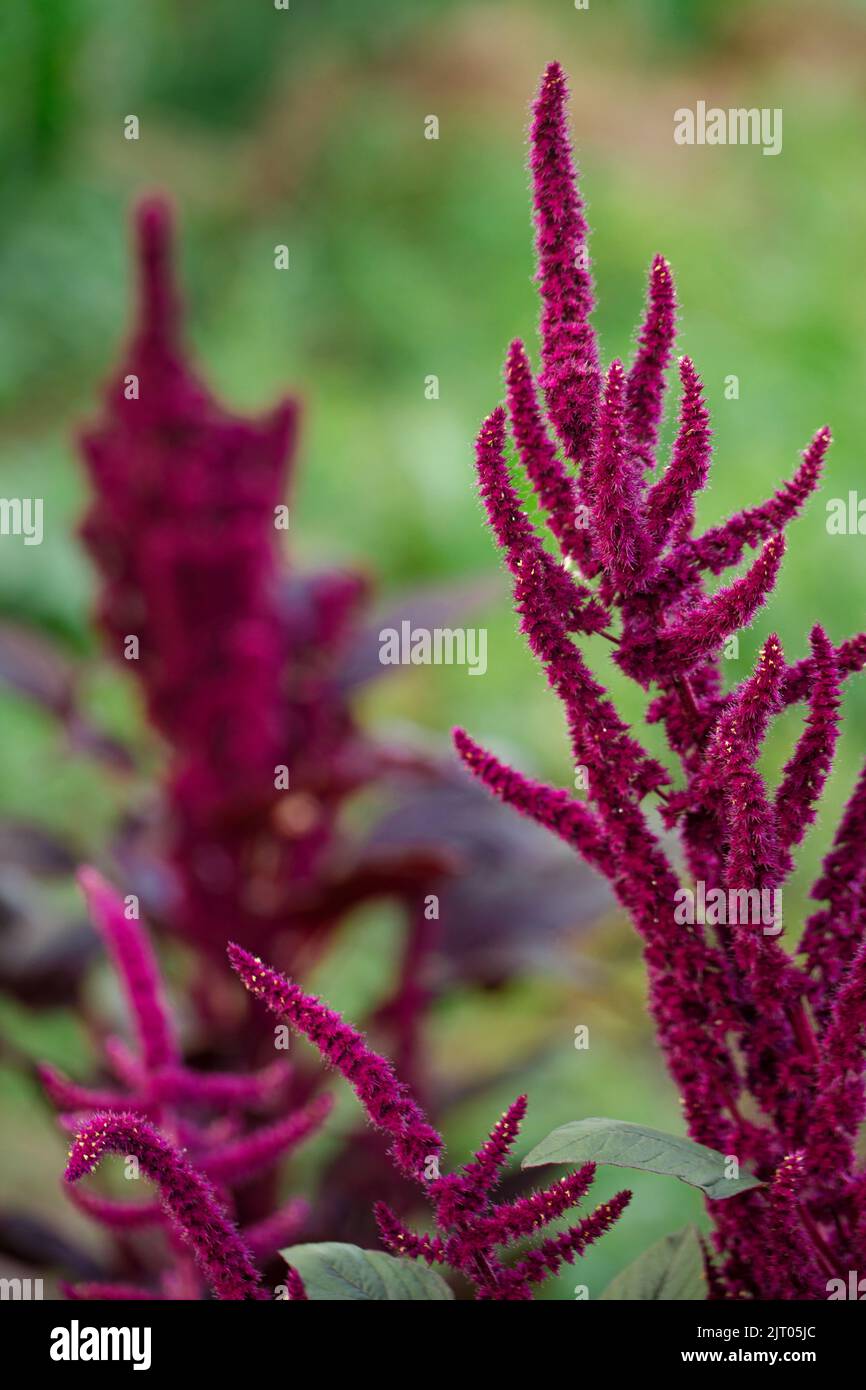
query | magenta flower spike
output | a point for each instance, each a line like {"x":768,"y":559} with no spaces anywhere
{"x":252,"y":1154}
{"x":170,"y":470}
{"x":670,"y":505}
{"x":555,"y":1251}
{"x":129,"y":948}
{"x":513,"y":1220}
{"x":754,"y":856}
{"x":833,"y":934}
{"x":807,"y":770}
{"x":616,"y":489}
{"x":385,"y":1098}
{"x":646,"y":378}
{"x":839,"y":1106}
{"x":551,"y":807}
{"x":123,"y":1063}
{"x":117,"y":1215}
{"x":66,"y":1095}
{"x":723,"y":546}
{"x":704,"y":627}
{"x":96,"y":1292}
{"x":554,"y":487}
{"x":240,"y":659}
{"x":751,"y":1038}
{"x":188,"y":1198}
{"x":232,"y":1090}
{"x":282,"y":1227}
{"x":399,"y":1240}
{"x":485,"y":1167}
{"x":295,"y":1285}
{"x":571,"y":377}
{"x":507,"y":518}
{"x":544,"y":599}
{"x":850,"y":658}
{"x":173,"y":1110}
{"x":470,"y":1229}
{"x":562,"y":601}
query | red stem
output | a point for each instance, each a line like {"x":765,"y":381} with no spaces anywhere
{"x":803,"y":1031}
{"x":820,"y":1244}
{"x":687,"y":695}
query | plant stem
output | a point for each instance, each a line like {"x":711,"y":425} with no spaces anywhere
{"x":820,"y":1244}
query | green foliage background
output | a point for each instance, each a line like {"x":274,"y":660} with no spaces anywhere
{"x":411,"y":257}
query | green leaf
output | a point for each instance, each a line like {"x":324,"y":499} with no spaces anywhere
{"x":344,"y":1273}
{"x":635,"y":1146}
{"x":671,"y":1271}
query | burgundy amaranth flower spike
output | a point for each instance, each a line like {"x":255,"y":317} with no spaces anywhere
{"x":189,"y":1200}
{"x":646,"y":381}
{"x":243,"y":662}
{"x":183,"y":529}
{"x":740,"y":1021}
{"x":136,"y":967}
{"x":239,"y":659}
{"x":670,"y":502}
{"x":295,"y":1286}
{"x":106,"y":1293}
{"x":205,"y":1112}
{"x":470,"y":1227}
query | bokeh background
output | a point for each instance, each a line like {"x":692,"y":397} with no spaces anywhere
{"x":412,"y":257}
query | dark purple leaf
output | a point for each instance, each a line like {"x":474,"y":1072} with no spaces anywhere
{"x":37,"y":669}
{"x":35,"y":849}
{"x":35,"y":1244}
{"x":516,"y":897}
{"x":33,"y":666}
{"x":42,"y":957}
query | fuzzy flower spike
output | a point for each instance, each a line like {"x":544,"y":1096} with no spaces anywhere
{"x":190,"y":1201}
{"x":767,"y":1052}
{"x":188,"y":1131}
{"x":239,"y":657}
{"x":471,"y":1228}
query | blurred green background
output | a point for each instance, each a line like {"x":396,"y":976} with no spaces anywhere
{"x":412,"y":257}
